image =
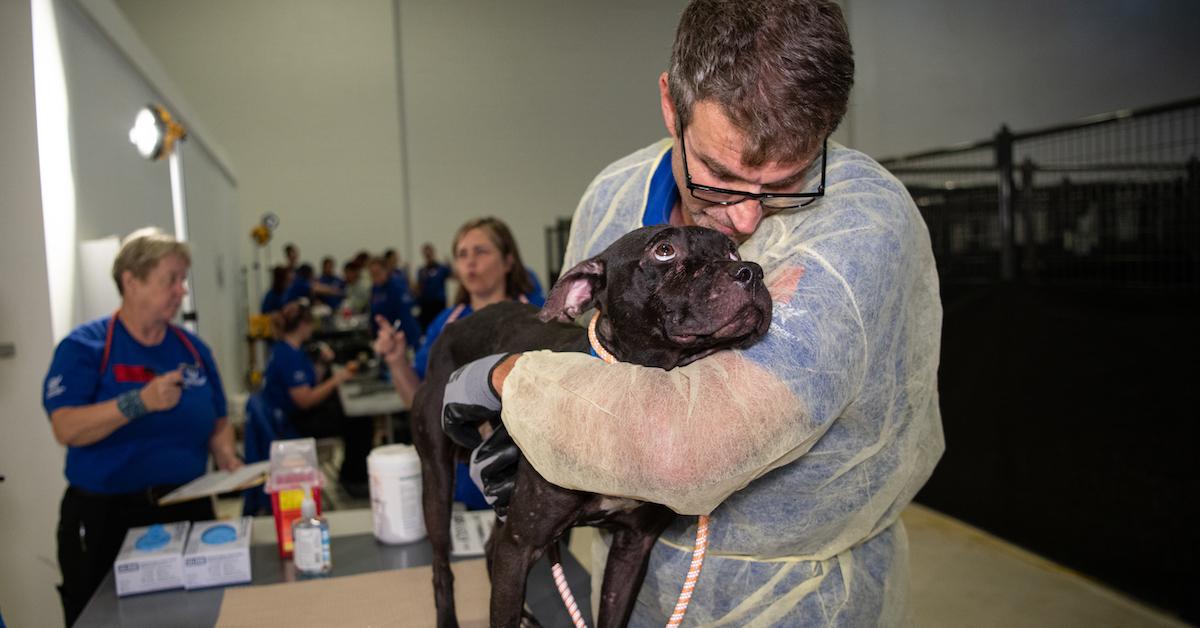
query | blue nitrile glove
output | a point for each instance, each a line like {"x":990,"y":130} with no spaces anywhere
{"x":470,"y":402}
{"x":493,"y":469}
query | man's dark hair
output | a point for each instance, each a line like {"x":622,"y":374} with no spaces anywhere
{"x":780,"y":69}
{"x":305,"y":271}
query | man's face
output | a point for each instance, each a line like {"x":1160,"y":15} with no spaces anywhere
{"x":714,"y":158}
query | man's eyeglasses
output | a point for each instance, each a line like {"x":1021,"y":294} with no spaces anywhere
{"x":722,"y":196}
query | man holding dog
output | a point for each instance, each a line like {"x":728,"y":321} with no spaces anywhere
{"x":806,"y":446}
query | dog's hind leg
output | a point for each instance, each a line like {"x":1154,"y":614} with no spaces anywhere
{"x":437,"y":480}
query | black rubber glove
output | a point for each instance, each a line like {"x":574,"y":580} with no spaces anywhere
{"x":494,"y":469}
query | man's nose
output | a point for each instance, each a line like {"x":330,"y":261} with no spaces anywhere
{"x":745,"y":216}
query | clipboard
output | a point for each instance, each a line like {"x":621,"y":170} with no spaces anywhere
{"x":218,"y":482}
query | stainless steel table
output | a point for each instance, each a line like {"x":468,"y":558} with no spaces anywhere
{"x":352,"y":554}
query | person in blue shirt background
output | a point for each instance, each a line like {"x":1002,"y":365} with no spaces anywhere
{"x":431,"y":286}
{"x":291,"y":384}
{"x":330,"y":279}
{"x":304,"y":287}
{"x":139,"y":405}
{"x":281,"y":277}
{"x":390,"y":299}
{"x":488,"y":265}
{"x":391,"y":260}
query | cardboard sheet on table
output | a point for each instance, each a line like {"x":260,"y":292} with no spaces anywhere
{"x":402,"y":597}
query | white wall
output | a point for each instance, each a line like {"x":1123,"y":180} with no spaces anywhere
{"x":303,"y":95}
{"x":30,"y":460}
{"x":513,"y":107}
{"x":69,"y":175}
{"x":937,"y":72}
{"x":509,"y":108}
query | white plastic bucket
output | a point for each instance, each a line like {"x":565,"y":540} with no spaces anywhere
{"x":395,"y":472}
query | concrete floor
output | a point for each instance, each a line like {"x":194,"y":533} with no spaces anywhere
{"x":961,"y":575}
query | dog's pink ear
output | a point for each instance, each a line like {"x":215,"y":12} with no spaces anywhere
{"x":574,"y":292}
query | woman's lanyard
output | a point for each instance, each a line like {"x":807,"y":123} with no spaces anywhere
{"x":108,"y":338}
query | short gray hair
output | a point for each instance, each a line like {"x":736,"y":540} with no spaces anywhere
{"x":780,"y":69}
{"x":142,"y":250}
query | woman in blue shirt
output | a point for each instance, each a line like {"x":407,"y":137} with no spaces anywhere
{"x":139,"y":405}
{"x":311,"y":407}
{"x":488,"y":266}
{"x":281,"y":277}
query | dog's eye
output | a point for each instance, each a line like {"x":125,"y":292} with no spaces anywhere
{"x":664,"y":252}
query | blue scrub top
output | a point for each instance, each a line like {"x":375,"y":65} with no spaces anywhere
{"x":465,"y":490}
{"x":392,"y":301}
{"x":300,"y":288}
{"x":287,"y":368}
{"x":536,"y":296}
{"x":272,"y":302}
{"x":333,"y":281}
{"x":421,"y":357}
{"x":167,"y":447}
{"x":662,"y":195}
{"x":432,"y":280}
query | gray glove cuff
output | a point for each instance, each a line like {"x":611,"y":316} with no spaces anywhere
{"x":472,"y":383}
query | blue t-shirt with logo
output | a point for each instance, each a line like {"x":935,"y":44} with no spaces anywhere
{"x":392,"y":301}
{"x":287,"y":368}
{"x":167,"y":447}
{"x":333,"y":281}
{"x":432,"y":280}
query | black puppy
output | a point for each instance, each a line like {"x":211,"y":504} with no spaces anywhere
{"x":666,"y":296}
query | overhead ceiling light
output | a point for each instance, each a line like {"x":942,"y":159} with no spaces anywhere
{"x":155,"y":133}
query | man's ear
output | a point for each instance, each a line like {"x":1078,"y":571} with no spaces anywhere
{"x":575,"y":292}
{"x":668,"y":105}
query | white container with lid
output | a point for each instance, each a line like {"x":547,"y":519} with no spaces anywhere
{"x":395,"y":472}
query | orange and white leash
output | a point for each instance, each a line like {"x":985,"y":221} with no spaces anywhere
{"x":564,"y":591}
{"x":701,"y":545}
{"x":689,"y":583}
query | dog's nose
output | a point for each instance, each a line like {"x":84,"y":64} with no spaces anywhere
{"x":746,"y":273}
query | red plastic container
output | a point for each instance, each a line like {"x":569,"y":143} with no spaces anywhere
{"x":285,"y":505}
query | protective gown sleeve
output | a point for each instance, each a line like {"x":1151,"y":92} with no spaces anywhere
{"x":690,"y":437}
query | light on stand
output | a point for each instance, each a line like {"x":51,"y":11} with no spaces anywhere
{"x":157,"y":135}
